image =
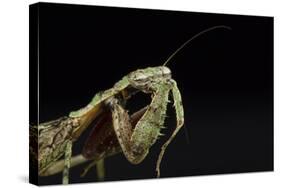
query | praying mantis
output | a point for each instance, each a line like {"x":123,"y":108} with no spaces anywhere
{"x":132,"y":135}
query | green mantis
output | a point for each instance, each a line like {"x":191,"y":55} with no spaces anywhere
{"x":134,"y":135}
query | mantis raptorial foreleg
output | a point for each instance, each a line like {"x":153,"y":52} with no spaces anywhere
{"x":108,"y":127}
{"x":136,"y":143}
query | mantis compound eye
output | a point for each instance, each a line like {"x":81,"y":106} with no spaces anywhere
{"x":166,"y":70}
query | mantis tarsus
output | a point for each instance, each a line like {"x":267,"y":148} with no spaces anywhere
{"x":133,"y":136}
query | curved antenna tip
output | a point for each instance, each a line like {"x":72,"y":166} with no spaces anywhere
{"x":195,"y":36}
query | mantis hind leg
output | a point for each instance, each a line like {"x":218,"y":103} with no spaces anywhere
{"x":67,"y":162}
{"x":100,"y":170}
{"x":180,"y":121}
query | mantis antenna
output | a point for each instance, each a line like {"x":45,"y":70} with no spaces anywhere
{"x":194,"y":37}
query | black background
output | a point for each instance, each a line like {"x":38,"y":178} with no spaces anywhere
{"x":225,"y":78}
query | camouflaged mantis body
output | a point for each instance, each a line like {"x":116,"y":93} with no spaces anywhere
{"x":135,"y":143}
